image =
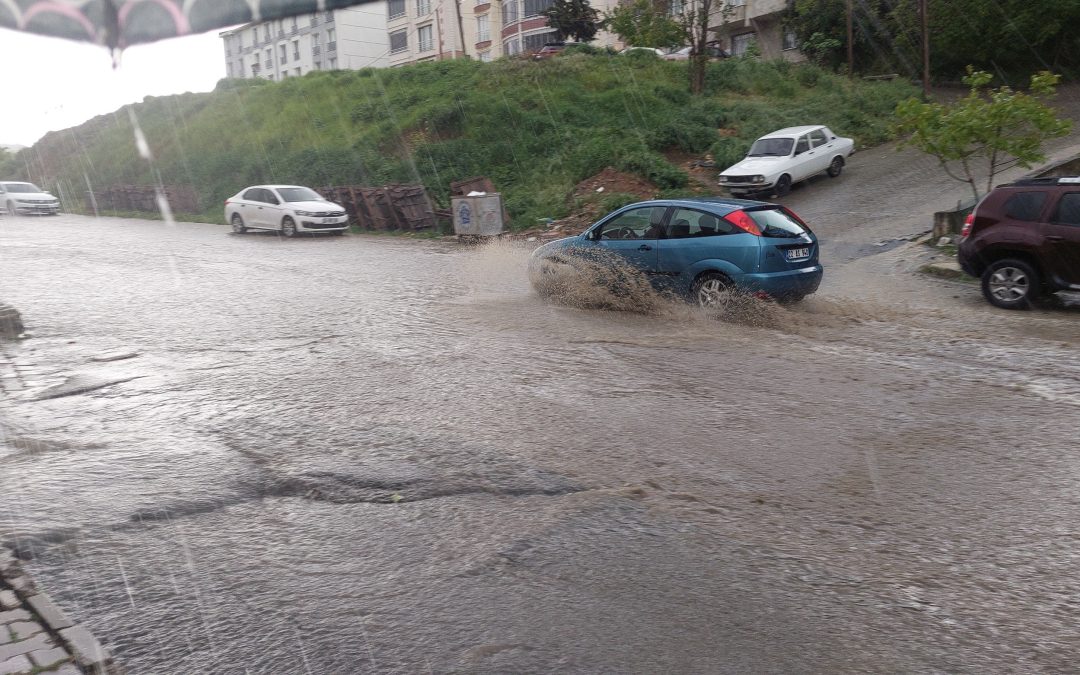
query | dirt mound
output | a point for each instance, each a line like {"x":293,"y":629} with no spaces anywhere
{"x":609,"y":181}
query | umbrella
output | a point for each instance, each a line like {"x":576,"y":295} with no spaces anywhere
{"x":121,"y":23}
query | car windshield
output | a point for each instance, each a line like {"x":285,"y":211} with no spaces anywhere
{"x":21,"y":187}
{"x":775,"y":222}
{"x":300,"y":194}
{"x":771,"y":147}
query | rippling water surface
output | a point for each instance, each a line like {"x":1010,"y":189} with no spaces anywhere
{"x":376,"y":454}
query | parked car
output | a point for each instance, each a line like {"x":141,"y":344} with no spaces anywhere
{"x":644,"y":50}
{"x":549,"y":50}
{"x":25,"y":198}
{"x":1023,"y":241}
{"x":778,"y":160}
{"x":679,"y":54}
{"x":702,"y":249}
{"x":290,"y":209}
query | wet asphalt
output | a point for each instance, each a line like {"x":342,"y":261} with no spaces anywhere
{"x":233,"y":453}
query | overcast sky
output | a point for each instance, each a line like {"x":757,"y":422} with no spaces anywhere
{"x":50,"y":84}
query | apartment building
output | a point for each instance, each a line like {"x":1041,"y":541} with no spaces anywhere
{"x":737,"y":23}
{"x":391,"y":33}
{"x":351,"y":38}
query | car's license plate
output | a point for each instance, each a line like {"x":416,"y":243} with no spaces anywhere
{"x":329,"y":220}
{"x":796,"y":253}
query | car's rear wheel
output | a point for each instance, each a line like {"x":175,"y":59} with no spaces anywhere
{"x":288,"y":227}
{"x":835,"y":167}
{"x":238,"y":224}
{"x":712,"y":290}
{"x":783,"y":186}
{"x":1010,"y":284}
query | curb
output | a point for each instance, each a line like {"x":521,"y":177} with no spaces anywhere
{"x":35,"y":634}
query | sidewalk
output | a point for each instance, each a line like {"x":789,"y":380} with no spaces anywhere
{"x":36,"y":636}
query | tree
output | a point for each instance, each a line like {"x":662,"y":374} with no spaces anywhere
{"x":695,"y":25}
{"x":658,"y":23}
{"x":645,"y":23}
{"x":573,"y":18}
{"x":989,"y":129}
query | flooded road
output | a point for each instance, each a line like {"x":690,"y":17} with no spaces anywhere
{"x":372,"y":454}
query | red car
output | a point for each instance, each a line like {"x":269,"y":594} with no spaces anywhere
{"x":548,"y":50}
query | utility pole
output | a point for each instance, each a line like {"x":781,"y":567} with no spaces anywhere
{"x":923,"y":17}
{"x":851,"y":40}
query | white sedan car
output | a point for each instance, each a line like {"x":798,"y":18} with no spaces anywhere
{"x":778,"y":160}
{"x":289,"y":209}
{"x":19,"y":198}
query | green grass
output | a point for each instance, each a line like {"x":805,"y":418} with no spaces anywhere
{"x":535,"y":128}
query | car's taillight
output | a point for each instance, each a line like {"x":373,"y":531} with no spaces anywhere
{"x":743,"y":221}
{"x":968,"y":222}
{"x":226,"y":202}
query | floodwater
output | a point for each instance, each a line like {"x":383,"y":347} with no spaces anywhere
{"x":375,"y":454}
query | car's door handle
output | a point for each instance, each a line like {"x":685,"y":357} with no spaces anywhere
{"x":644,"y":247}
{"x":1054,"y":237}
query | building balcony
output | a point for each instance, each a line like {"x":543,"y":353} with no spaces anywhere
{"x":316,"y":50}
{"x":268,"y":64}
{"x":331,"y":46}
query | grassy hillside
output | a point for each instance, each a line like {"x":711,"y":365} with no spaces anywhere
{"x":536,"y":128}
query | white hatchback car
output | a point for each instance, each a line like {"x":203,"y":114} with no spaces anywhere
{"x":290,"y":209}
{"x":778,"y":160}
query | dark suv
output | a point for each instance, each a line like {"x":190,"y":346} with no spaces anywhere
{"x":1023,"y":241}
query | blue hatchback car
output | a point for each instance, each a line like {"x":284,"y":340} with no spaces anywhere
{"x":702,"y":249}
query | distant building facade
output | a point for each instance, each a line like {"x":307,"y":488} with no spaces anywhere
{"x":391,"y":33}
{"x":738,"y":23}
{"x":351,"y":38}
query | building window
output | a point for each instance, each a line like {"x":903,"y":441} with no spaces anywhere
{"x":254,"y":70}
{"x":423,"y":7}
{"x":333,"y":64}
{"x":736,"y":3}
{"x":294,"y":28}
{"x":676,"y":7}
{"x":740,"y":43}
{"x":283,"y":55}
{"x":790,"y":41}
{"x":314,"y":20}
{"x":483,"y":31}
{"x":534,"y":7}
{"x":423,"y":37}
{"x":399,"y":41}
{"x":239,"y":41}
{"x":266,"y":32}
{"x":512,"y":46}
{"x":396,"y":8}
{"x":318,"y":65}
{"x":329,"y":17}
{"x":331,"y":40}
{"x":510,"y":12}
{"x":533,"y":43}
{"x":485,"y":56}
{"x":296,"y":71}
{"x":295,"y":50}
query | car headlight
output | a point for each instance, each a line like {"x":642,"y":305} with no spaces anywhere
{"x":304,"y":213}
{"x":724,"y":179}
{"x":759,"y":179}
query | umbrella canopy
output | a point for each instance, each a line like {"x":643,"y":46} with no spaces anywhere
{"x":120,"y":23}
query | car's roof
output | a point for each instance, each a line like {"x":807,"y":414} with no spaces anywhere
{"x":274,"y":186}
{"x":793,"y":131}
{"x":719,"y":205}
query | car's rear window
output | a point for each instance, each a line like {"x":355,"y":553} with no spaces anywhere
{"x":775,"y":222}
{"x":1025,"y":205}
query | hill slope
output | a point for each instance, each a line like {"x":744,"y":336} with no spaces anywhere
{"x":536,"y":128}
